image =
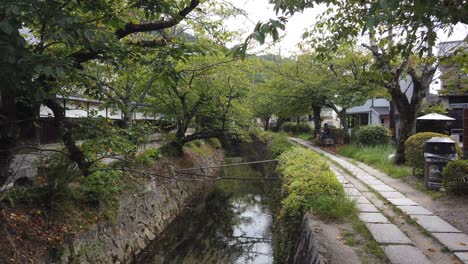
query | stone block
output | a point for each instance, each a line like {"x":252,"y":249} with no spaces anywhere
{"x":352,"y":191}
{"x":373,"y":181}
{"x":387,"y":195}
{"x":150,"y":235}
{"x":361,"y":200}
{"x":382,"y":188}
{"x":388,"y":234}
{"x":401,"y":201}
{"x":368,"y":208}
{"x":373,"y":218}
{"x":404,"y":254}
{"x":414,"y":210}
{"x":462,"y":256}
{"x":455,"y":242}
{"x":434,"y":224}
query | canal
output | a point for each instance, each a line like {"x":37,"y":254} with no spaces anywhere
{"x":231,"y":224}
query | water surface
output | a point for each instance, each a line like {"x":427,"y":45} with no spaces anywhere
{"x":231,"y":225}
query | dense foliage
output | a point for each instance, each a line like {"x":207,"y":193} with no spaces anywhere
{"x":414,"y":150}
{"x":276,"y":143}
{"x":308,"y":184}
{"x":402,"y":37}
{"x":371,"y":136}
{"x":291,"y":127}
{"x":455,"y":177}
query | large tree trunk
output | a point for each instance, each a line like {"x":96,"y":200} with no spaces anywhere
{"x":392,"y":120}
{"x":127,"y":117}
{"x":279,"y":122}
{"x":317,"y":119}
{"x":408,"y":115}
{"x":60,"y":123}
{"x":408,"y":111}
{"x":9,"y":134}
{"x":266,"y":122}
{"x":343,"y":121}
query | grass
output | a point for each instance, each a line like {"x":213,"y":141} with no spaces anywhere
{"x":433,"y":194}
{"x":372,"y":247}
{"x":377,"y":156}
{"x":303,"y":136}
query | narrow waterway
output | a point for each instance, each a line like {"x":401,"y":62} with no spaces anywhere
{"x":232,"y":224}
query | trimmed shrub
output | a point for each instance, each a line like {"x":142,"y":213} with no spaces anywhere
{"x":288,"y":127}
{"x":455,"y":177}
{"x":278,"y":144}
{"x":291,"y":127}
{"x":371,"y":135}
{"x":303,"y":128}
{"x":414,"y":150}
{"x":339,"y":135}
{"x":308,"y":184}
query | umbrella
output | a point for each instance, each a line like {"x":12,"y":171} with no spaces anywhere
{"x":434,"y":116}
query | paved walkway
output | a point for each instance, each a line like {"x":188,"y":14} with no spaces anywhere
{"x":396,"y":244}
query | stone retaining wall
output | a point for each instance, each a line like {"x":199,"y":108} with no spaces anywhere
{"x":308,"y":248}
{"x":143,"y":216}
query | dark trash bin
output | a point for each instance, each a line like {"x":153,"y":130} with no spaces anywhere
{"x":437,"y":152}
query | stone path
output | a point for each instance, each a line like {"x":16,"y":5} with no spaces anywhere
{"x":397,"y":246}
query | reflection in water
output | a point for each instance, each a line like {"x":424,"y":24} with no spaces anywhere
{"x":232,"y":225}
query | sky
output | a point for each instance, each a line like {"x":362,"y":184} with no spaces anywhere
{"x":261,"y":10}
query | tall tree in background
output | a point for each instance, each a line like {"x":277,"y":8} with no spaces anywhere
{"x":61,"y":36}
{"x":203,"y":91}
{"x":404,"y":33}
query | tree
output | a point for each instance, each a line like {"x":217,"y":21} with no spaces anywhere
{"x":204,"y":90}
{"x":121,"y":85}
{"x":62,"y":36}
{"x":347,"y":71}
{"x":403,"y":33}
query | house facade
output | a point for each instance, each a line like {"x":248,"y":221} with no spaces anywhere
{"x":77,"y":107}
{"x":454,"y":84}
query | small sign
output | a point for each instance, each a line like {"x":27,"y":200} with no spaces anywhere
{"x":434,"y":172}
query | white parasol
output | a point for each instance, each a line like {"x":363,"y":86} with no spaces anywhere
{"x":434,"y":116}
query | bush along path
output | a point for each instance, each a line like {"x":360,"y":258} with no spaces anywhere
{"x":408,"y":232}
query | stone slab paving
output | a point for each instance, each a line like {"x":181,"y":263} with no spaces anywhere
{"x":351,"y":191}
{"x":446,"y":234}
{"x":362,"y":200}
{"x":387,"y":195}
{"x":455,"y":242}
{"x":434,"y":224}
{"x":382,"y":188}
{"x":404,"y":254}
{"x":388,"y":234}
{"x":414,"y":210}
{"x":373,"y":182}
{"x":401,"y":201}
{"x":463,"y":256}
{"x":367,"y":208}
{"x":373,"y":218}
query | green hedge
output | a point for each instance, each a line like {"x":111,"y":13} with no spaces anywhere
{"x":455,"y":177}
{"x":339,"y":135}
{"x":308,"y":184}
{"x":277,"y":143}
{"x":371,"y":135}
{"x":291,"y":127}
{"x":414,"y":150}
